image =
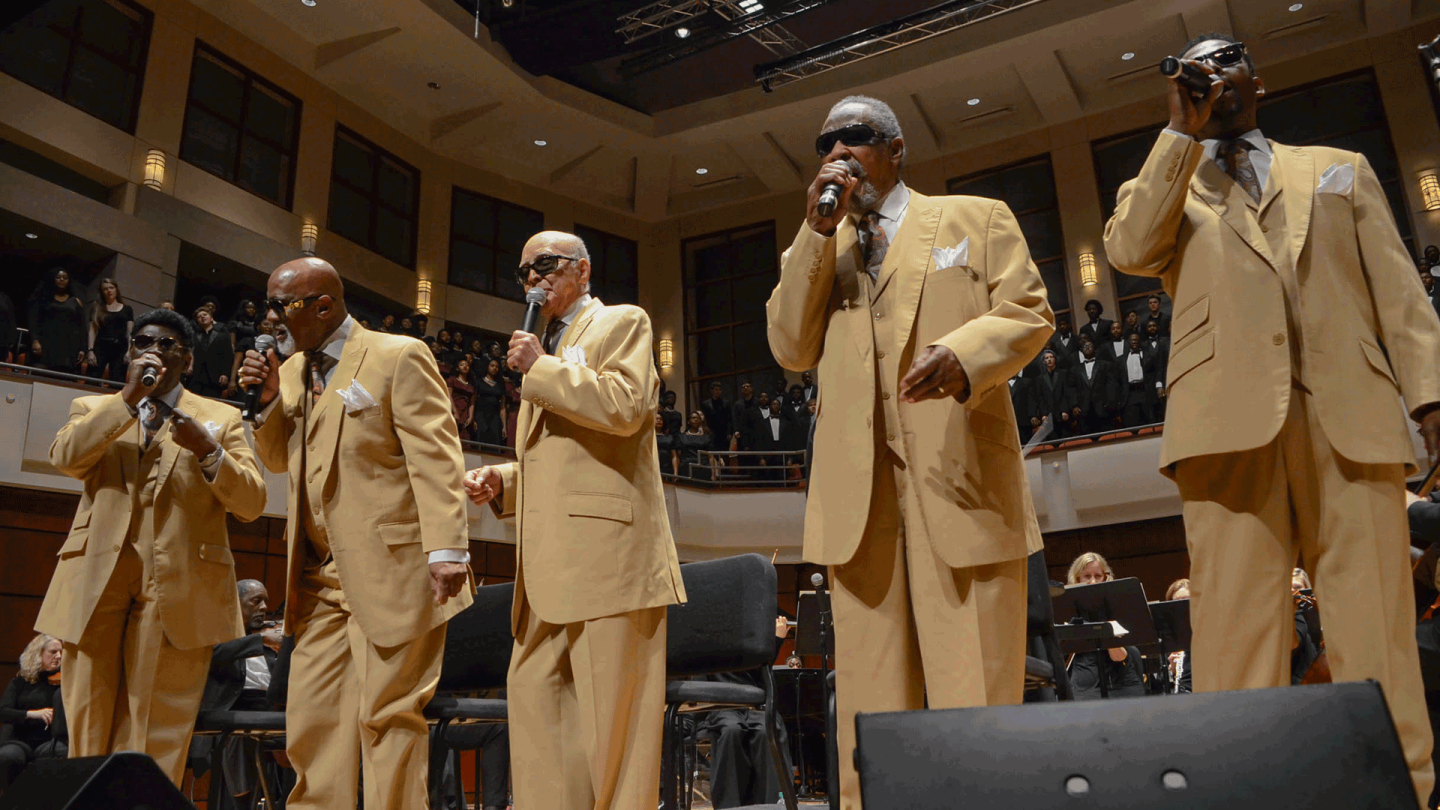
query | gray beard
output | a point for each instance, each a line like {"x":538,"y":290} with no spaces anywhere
{"x":865,"y":197}
{"x":284,"y":345}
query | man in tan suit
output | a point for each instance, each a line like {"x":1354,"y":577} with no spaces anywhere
{"x":1299,"y":325}
{"x":145,"y":585}
{"x":595,"y":562}
{"x":377,"y":540}
{"x":917,"y":310}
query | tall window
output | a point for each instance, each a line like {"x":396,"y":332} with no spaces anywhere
{"x":1117,"y":161}
{"x":728,"y":278}
{"x":240,"y":127}
{"x":613,"y":260}
{"x":88,"y":53}
{"x":1029,"y":189}
{"x":374,"y":198}
{"x":486,"y":236}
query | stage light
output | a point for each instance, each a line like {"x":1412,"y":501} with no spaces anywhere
{"x":155,"y":169}
{"x":32,"y":236}
{"x":422,"y":296}
{"x":667,"y":354}
{"x":682,"y":32}
{"x":1088,"y":275}
{"x":309,"y":235}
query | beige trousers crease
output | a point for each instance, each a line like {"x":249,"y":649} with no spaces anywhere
{"x":126,"y":687}
{"x":911,"y":632}
{"x":353,"y":703}
{"x":1250,"y":516}
{"x":587,"y":706}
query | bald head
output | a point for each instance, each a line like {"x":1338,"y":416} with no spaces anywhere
{"x":570,"y":278}
{"x":313,"y":276}
{"x":315,"y":296}
{"x":254,"y":603}
{"x":245,"y":586}
{"x":558,"y":242}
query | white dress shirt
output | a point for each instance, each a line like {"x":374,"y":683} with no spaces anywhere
{"x":1089,"y":368}
{"x":257,"y":673}
{"x":1134,"y":367}
{"x":892,"y":211}
{"x":1261,"y":156}
{"x":569,"y":318}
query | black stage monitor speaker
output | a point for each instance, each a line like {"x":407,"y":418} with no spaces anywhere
{"x":1304,"y":746}
{"x":125,"y":781}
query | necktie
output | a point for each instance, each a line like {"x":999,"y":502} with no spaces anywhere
{"x":552,"y":335}
{"x":876,"y":243}
{"x":1236,"y":155}
{"x":318,"y":363}
{"x":153,"y":417}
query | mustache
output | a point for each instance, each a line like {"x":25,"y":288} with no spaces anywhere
{"x":856,"y":170}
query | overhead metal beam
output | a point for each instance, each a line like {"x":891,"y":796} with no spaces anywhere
{"x":671,"y":14}
{"x":879,"y":39}
{"x":748,"y":25}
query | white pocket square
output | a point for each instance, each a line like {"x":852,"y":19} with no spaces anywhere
{"x":1338,"y":179}
{"x":214,"y":429}
{"x":356,"y":398}
{"x":573,"y":354}
{"x":958,"y":256}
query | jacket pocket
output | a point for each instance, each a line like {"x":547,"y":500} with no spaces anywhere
{"x":75,"y":543}
{"x":400,"y":534}
{"x":1192,"y":318}
{"x":1189,"y":356}
{"x":221,"y":555}
{"x":599,"y":505}
{"x":1378,"y":361}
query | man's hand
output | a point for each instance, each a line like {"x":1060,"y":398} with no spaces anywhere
{"x":1186,"y":114}
{"x":524,"y":351}
{"x":782,"y":626}
{"x":256,"y":370}
{"x":446,"y":580}
{"x":134,"y":389}
{"x":834,"y":172}
{"x":1430,"y":432}
{"x":192,"y":435}
{"x":935,"y":373}
{"x":272,"y":636}
{"x":482,"y":485}
{"x":46,"y":715}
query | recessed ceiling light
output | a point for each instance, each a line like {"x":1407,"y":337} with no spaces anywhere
{"x":32,"y":236}
{"x":702,"y":170}
{"x":751,"y":6}
{"x":539,"y":142}
{"x":1127,"y":56}
{"x":1296,"y":6}
{"x":682,"y":32}
{"x":973,"y":102}
{"x":433,"y":85}
{"x":310,"y":3}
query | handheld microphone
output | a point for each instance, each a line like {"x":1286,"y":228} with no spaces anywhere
{"x":148,"y":378}
{"x":829,"y":198}
{"x":534,"y":301}
{"x":263,"y":344}
{"x":1190,"y":77}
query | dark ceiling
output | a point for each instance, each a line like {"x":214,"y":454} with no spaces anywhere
{"x":575,"y":41}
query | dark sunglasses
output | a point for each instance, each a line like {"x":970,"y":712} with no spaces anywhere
{"x":1227,"y":56}
{"x":852,"y":135}
{"x":543,"y":266}
{"x":143,"y":342}
{"x":282,"y":307}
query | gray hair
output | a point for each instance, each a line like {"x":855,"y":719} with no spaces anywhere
{"x":880,"y":115}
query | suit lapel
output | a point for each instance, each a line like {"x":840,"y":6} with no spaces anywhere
{"x":1217,"y":190}
{"x":190,"y":405}
{"x":528,"y":422}
{"x":913,"y":244}
{"x":1294,"y":169}
{"x":329,"y":412}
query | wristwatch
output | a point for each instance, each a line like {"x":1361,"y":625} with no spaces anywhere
{"x":211,"y":457}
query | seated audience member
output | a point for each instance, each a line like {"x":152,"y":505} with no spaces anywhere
{"x":693,"y":441}
{"x":1136,"y":372}
{"x":1124,"y":672}
{"x":1113,"y":345}
{"x":1153,"y":314}
{"x":741,"y":771}
{"x":1051,"y":396}
{"x":240,"y":674}
{"x":27,"y":710}
{"x":1181,"y":680}
{"x":1095,"y":396}
{"x":667,"y":445}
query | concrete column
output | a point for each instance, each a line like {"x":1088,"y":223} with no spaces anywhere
{"x":1083,"y":223}
{"x":143,"y":285}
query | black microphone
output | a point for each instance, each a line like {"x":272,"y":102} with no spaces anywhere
{"x":1190,"y":77}
{"x":148,"y":378}
{"x":534,"y":301}
{"x":263,"y":344}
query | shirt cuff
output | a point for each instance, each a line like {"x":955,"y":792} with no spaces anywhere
{"x":212,"y":466}
{"x":1180,"y":134}
{"x":457,"y":555}
{"x":265,"y":412}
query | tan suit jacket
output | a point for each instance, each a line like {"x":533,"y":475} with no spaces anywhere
{"x":1368,"y":333}
{"x":383,"y":481}
{"x":194,"y":570}
{"x":971,"y":499}
{"x":590,"y":513}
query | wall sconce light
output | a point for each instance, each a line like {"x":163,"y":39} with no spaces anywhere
{"x":667,"y":354}
{"x":155,"y":169}
{"x":422,"y":296}
{"x":1430,"y":190}
{"x":1088,"y":276}
{"x":309,"y":234}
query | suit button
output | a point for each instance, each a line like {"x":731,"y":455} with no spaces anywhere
{"x":880,"y":355}
{"x":890,"y":437}
{"x":885,"y":395}
{"x":1278,"y":339}
{"x":1264,"y":228}
{"x":877,"y":316}
{"x":867,"y":421}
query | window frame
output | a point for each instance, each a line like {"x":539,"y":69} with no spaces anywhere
{"x":597,"y":248}
{"x":697,"y":385}
{"x":496,"y":204}
{"x":378,"y":153}
{"x":250,"y":78}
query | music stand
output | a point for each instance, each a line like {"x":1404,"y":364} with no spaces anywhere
{"x":1172,"y":625}
{"x":805,"y":689}
{"x":1121,"y":601}
{"x":808,"y":627}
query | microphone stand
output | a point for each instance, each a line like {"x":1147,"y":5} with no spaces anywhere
{"x":822,"y":600}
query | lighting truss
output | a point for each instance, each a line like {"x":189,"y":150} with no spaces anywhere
{"x":666,"y":14}
{"x":879,"y":39}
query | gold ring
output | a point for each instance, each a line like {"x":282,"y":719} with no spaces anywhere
{"x":942,"y":389}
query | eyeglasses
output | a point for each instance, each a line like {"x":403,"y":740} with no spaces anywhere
{"x":143,"y":342}
{"x":282,"y":307}
{"x":543,"y":265}
{"x":1227,"y":56}
{"x":852,"y":135}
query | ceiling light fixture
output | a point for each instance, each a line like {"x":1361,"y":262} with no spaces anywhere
{"x":702,"y":170}
{"x":682,"y":32}
{"x":32,"y":236}
{"x":1127,"y":56}
{"x":539,"y":142}
{"x":751,"y":6}
{"x":1296,"y":6}
{"x":433,"y":85}
{"x":310,"y":3}
{"x":973,"y":102}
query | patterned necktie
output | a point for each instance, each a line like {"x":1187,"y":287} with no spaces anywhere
{"x":1236,"y":155}
{"x":876,"y":243}
{"x":153,"y":416}
{"x":318,"y":363}
{"x":552,"y":335}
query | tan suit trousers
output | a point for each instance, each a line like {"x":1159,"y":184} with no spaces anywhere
{"x":1247,"y":518}
{"x":352,"y":702}
{"x":125,"y":686}
{"x":587,"y":706}
{"x":910,"y":631}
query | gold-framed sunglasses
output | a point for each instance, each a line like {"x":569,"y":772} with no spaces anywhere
{"x":282,"y":307}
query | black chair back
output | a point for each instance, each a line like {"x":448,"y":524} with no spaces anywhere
{"x":478,"y":642}
{"x":1040,"y":613}
{"x":728,"y":622}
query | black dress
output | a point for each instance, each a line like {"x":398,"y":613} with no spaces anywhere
{"x":22,"y":740}
{"x":488,"y":399}
{"x":112,"y":341}
{"x":690,"y":445}
{"x":665,"y":445}
{"x":244,"y":332}
{"x":60,"y":328}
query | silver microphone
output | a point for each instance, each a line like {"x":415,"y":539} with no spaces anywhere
{"x":148,"y":378}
